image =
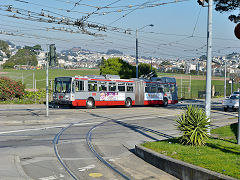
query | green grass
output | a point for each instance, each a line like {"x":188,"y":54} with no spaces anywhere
{"x":220,"y":155}
{"x":40,"y":75}
{"x":217,"y":155}
{"x":226,"y":132}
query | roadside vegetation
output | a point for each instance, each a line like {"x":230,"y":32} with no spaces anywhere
{"x":217,"y":155}
{"x":218,"y":152}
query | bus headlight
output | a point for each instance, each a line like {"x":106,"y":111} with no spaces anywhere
{"x":67,"y":97}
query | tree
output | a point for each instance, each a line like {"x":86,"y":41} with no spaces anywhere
{"x":145,"y":69}
{"x":5,"y":48}
{"x":203,"y":57}
{"x":22,"y":57}
{"x":35,"y":49}
{"x":229,"y":6}
{"x":116,"y":66}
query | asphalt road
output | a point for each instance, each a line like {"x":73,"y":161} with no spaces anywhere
{"x":58,"y":147}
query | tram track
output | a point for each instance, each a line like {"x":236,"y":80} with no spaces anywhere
{"x":91,"y":146}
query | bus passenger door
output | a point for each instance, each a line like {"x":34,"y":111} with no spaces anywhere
{"x":139,"y":93}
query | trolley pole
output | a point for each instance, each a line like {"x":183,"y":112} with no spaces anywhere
{"x":209,"y":62}
{"x":47,"y":104}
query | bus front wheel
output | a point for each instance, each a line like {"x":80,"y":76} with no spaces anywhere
{"x":90,"y":103}
{"x":128,"y":103}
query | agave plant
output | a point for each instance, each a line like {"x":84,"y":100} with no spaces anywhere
{"x":194,"y":125}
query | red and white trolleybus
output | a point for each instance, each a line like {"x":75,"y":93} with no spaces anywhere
{"x":109,"y":90}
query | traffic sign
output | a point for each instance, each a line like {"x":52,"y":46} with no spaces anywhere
{"x":237,"y":31}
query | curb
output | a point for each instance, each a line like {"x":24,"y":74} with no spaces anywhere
{"x":20,"y":168}
{"x":177,"y":168}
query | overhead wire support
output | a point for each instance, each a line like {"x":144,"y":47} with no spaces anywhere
{"x":47,"y":18}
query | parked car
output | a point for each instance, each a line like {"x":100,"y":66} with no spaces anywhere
{"x":236,"y":92}
{"x":231,"y":102}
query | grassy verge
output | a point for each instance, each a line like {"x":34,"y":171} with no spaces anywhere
{"x":40,"y":75}
{"x":226,"y":132}
{"x":218,"y":155}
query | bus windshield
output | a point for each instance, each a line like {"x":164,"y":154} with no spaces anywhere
{"x":62,"y":85}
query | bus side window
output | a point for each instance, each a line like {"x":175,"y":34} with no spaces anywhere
{"x":121,"y":87}
{"x":102,"y":86}
{"x":79,"y":86}
{"x":129,"y":87}
{"x":160,"y":88}
{"x":154,"y":88}
{"x":112,"y":86}
{"x":147,"y":88}
{"x":92,"y":85}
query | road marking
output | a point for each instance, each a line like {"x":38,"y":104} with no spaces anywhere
{"x":52,"y":177}
{"x":95,"y":175}
{"x":48,"y":178}
{"x":44,"y":128}
{"x":77,"y":124}
{"x":86,"y":168}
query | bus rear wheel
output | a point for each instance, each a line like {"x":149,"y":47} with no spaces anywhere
{"x":128,"y":103}
{"x":90,"y":104}
{"x":165,"y":102}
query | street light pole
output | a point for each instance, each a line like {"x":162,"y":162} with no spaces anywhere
{"x":47,"y":104}
{"x":136,"y":53}
{"x":225,"y":79}
{"x":209,"y":62}
{"x":151,"y":64}
{"x":137,"y":47}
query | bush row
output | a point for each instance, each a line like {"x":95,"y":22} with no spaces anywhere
{"x":10,"y":89}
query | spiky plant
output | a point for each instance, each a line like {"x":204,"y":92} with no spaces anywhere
{"x":194,"y":125}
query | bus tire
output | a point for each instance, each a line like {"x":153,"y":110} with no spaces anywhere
{"x":165,"y":102}
{"x":90,"y":104}
{"x":225,"y":109}
{"x":128,"y":103}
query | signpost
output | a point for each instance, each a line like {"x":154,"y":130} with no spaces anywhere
{"x":237,"y":34}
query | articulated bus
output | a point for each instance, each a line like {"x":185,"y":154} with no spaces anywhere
{"x":109,"y":90}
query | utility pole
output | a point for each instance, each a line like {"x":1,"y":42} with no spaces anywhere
{"x":33,"y":79}
{"x":225,"y":79}
{"x":209,"y":59}
{"x":136,"y":53}
{"x":209,"y":62}
{"x":137,"y":47}
{"x":47,"y":84}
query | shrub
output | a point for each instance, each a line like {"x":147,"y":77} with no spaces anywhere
{"x":194,"y":125}
{"x":35,"y":96}
{"x":10,"y":89}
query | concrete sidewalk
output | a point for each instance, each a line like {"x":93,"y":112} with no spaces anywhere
{"x":11,"y":169}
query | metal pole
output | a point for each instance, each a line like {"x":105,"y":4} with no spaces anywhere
{"x":136,"y":53}
{"x":35,"y":85}
{"x":22,"y":78}
{"x":47,"y":84}
{"x":225,"y":79}
{"x":238,"y":133}
{"x":209,"y":62}
{"x":190,"y":85}
{"x":181,"y":86}
{"x":33,"y":79}
{"x":151,"y":65}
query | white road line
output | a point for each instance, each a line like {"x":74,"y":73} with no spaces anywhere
{"x":44,"y":128}
{"x":79,"y":124}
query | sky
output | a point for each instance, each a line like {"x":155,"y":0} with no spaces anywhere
{"x":179,"y":31}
